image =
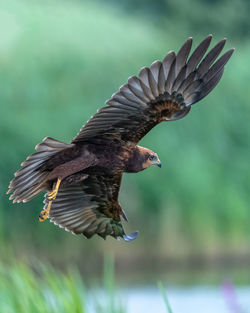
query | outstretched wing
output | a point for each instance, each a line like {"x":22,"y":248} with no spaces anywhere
{"x":90,"y":207}
{"x":163,"y":92}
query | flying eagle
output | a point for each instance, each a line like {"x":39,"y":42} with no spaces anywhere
{"x":82,"y":178}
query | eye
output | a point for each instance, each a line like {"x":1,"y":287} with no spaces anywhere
{"x":152,"y":157}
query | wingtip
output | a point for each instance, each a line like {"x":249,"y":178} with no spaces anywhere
{"x":188,"y":42}
{"x":230,"y":52}
{"x":208,"y":39}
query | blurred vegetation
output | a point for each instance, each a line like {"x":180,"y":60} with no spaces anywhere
{"x":60,"y":61}
{"x":227,"y":17}
{"x":32,"y":287}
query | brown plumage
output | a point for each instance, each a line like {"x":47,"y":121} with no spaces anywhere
{"x":83,"y":178}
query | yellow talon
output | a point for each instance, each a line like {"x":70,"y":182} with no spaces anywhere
{"x":52,"y":195}
{"x":43,"y":216}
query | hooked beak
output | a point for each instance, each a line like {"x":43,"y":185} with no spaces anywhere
{"x":158,"y":163}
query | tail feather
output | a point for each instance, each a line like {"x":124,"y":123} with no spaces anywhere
{"x":29,"y":181}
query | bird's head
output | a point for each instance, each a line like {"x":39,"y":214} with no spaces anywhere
{"x":141,"y":159}
{"x":150,"y":158}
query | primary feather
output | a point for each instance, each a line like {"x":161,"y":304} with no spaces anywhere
{"x":163,"y":91}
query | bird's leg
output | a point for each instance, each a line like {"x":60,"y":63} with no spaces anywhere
{"x":52,"y":195}
{"x":45,"y":213}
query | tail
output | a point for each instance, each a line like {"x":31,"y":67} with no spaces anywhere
{"x":29,"y":181}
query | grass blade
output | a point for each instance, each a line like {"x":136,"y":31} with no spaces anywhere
{"x":164,"y":295}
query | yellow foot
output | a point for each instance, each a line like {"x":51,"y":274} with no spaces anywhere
{"x":45,"y":213}
{"x":52,"y":195}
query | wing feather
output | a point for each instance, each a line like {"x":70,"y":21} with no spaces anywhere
{"x":164,"y":91}
{"x":182,"y":55}
{"x":90,"y":207}
{"x":211,"y":57}
{"x":134,"y":85}
{"x":144,"y":82}
{"x":198,"y":54}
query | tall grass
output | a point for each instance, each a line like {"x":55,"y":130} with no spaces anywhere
{"x":33,"y":287}
{"x":40,"y":290}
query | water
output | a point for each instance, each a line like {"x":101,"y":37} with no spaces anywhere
{"x":188,"y":300}
{"x":197,"y":299}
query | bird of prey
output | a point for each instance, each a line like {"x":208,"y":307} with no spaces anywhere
{"x":82,"y":178}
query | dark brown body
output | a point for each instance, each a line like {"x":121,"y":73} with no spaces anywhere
{"x":111,"y":159}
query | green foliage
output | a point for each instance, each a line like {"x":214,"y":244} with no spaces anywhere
{"x":60,"y":61}
{"x":33,"y":287}
{"x":46,"y":290}
{"x":209,"y":16}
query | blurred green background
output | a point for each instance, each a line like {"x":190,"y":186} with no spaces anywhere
{"x":60,"y":61}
